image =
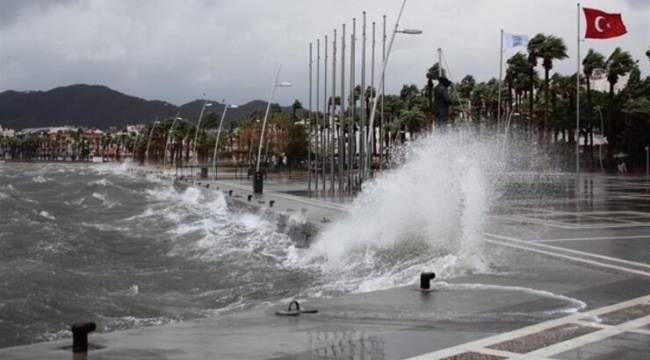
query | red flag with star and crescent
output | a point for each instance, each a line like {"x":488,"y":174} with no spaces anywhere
{"x":602,"y":25}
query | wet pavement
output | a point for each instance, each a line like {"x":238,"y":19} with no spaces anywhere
{"x":576,"y":286}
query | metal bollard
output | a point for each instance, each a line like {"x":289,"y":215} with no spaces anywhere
{"x":425,"y":280}
{"x":229,"y":192}
{"x":271,"y":202}
{"x":250,"y":197}
{"x":80,"y":332}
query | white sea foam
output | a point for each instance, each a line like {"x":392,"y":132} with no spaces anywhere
{"x":427,"y":214}
{"x":104,"y":199}
{"x":574,"y":305}
{"x":46,"y":215}
{"x":40,"y":179}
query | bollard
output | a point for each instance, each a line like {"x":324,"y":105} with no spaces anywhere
{"x":80,"y":332}
{"x":207,"y":186}
{"x":425,"y":280}
{"x":271,"y":202}
{"x":258,"y":182}
{"x":229,"y":192}
{"x":250,"y":197}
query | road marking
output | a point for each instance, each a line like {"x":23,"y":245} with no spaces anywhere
{"x":558,"y":248}
{"x":481,"y":345}
{"x":586,"y":261}
{"x":593,"y":238}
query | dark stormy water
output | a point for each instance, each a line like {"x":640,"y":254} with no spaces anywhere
{"x":96,"y":242}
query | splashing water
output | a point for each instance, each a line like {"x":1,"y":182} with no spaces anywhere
{"x":427,"y":214}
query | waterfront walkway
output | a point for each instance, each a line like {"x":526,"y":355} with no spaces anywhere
{"x":562,"y":253}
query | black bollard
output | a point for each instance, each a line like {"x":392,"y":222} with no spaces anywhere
{"x":250,"y":197}
{"x":207,"y":186}
{"x":425,"y":280}
{"x":271,"y":202}
{"x":80,"y":332}
{"x":258,"y":182}
{"x":229,"y":192}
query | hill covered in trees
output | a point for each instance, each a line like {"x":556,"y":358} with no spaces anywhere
{"x":101,"y":107}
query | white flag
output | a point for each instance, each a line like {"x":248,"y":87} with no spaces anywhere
{"x":514,"y":40}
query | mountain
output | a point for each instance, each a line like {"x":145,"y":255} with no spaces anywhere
{"x":101,"y":107}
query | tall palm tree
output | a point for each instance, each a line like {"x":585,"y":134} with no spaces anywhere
{"x":533,"y":45}
{"x":619,"y":63}
{"x":548,"y":48}
{"x":593,"y":60}
{"x":516,"y":76}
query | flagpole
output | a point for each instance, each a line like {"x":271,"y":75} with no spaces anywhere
{"x":500,"y":81}
{"x":578,"y":99}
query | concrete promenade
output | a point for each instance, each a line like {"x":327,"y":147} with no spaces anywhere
{"x":574,"y":284}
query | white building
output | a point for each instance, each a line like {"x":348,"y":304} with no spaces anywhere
{"x":599,"y":81}
{"x":7,"y":132}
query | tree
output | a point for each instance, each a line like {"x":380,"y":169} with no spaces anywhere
{"x":619,"y":63}
{"x":548,"y":48}
{"x":295,"y":107}
{"x":592,"y":61}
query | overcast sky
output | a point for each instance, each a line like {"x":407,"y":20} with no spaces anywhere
{"x":176,"y":50}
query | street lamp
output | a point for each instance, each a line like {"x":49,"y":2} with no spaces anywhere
{"x":146,"y":154}
{"x":409,"y":31}
{"x":216,"y":143}
{"x":383,"y":71}
{"x":169,"y":134}
{"x":258,"y":180}
{"x":196,"y":134}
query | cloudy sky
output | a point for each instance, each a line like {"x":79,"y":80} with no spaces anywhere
{"x":176,"y":50}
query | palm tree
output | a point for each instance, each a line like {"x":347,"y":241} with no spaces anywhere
{"x":516,"y":76}
{"x":533,"y":45}
{"x":619,"y":63}
{"x":593,"y":60}
{"x":432,"y":74}
{"x":548,"y":48}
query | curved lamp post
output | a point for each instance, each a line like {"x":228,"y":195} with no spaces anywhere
{"x":196,"y":134}
{"x":258,"y":179}
{"x":146,"y":154}
{"x":169,"y":135}
{"x":216,"y":143}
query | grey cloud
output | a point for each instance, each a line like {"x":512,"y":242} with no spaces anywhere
{"x":176,"y":50}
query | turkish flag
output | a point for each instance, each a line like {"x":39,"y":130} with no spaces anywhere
{"x":602,"y":25}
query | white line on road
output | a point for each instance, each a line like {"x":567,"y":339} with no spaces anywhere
{"x":558,"y":248}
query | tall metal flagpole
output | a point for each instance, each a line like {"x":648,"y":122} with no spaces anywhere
{"x":332,"y":127}
{"x":317,"y":152}
{"x":500,"y":82}
{"x":311,"y":125}
{"x":385,"y":62}
{"x":341,"y":131}
{"x":383,"y":90}
{"x":578,"y":100}
{"x":362,"y":98}
{"x":326,"y":114}
{"x":372,"y":93}
{"x":351,"y":133}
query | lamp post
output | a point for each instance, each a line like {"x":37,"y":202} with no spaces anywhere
{"x":196,"y":133}
{"x":169,"y":134}
{"x":385,"y":60}
{"x":146,"y":154}
{"x":258,"y":180}
{"x":216,"y":143}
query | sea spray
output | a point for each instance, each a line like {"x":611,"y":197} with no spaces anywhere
{"x":426,"y":214}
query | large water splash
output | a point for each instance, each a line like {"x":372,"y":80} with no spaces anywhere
{"x":428,"y":213}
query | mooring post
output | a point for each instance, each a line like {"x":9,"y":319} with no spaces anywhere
{"x":425,"y":280}
{"x":80,"y":332}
